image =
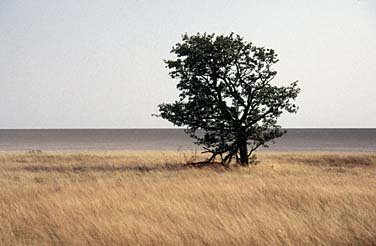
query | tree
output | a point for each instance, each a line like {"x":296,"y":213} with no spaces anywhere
{"x":226,"y":99}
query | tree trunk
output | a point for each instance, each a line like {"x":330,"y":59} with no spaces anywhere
{"x":243,"y":151}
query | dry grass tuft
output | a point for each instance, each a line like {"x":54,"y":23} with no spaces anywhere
{"x":151,"y":198}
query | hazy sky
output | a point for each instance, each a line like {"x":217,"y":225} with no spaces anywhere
{"x":98,"y":64}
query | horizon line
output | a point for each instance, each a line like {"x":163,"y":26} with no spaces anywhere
{"x":175,"y":128}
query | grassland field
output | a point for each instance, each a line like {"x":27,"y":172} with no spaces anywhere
{"x":151,"y":198}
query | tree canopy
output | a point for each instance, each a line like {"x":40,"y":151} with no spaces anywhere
{"x":226,"y":100}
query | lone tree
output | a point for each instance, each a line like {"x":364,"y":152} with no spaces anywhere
{"x":226,"y":99}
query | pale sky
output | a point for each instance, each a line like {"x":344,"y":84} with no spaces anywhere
{"x":98,"y":64}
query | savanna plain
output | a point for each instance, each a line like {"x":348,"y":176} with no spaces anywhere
{"x":152,"y":198}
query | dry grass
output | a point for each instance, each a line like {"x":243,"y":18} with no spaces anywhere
{"x":138,"y":198}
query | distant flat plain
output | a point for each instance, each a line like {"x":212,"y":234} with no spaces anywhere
{"x":176,"y":140}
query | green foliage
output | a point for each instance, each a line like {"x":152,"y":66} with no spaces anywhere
{"x":226,"y":99}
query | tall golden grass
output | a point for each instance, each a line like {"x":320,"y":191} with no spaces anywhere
{"x":150,"y":198}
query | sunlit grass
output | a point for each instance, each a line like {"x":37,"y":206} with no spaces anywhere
{"x":150,"y":198}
